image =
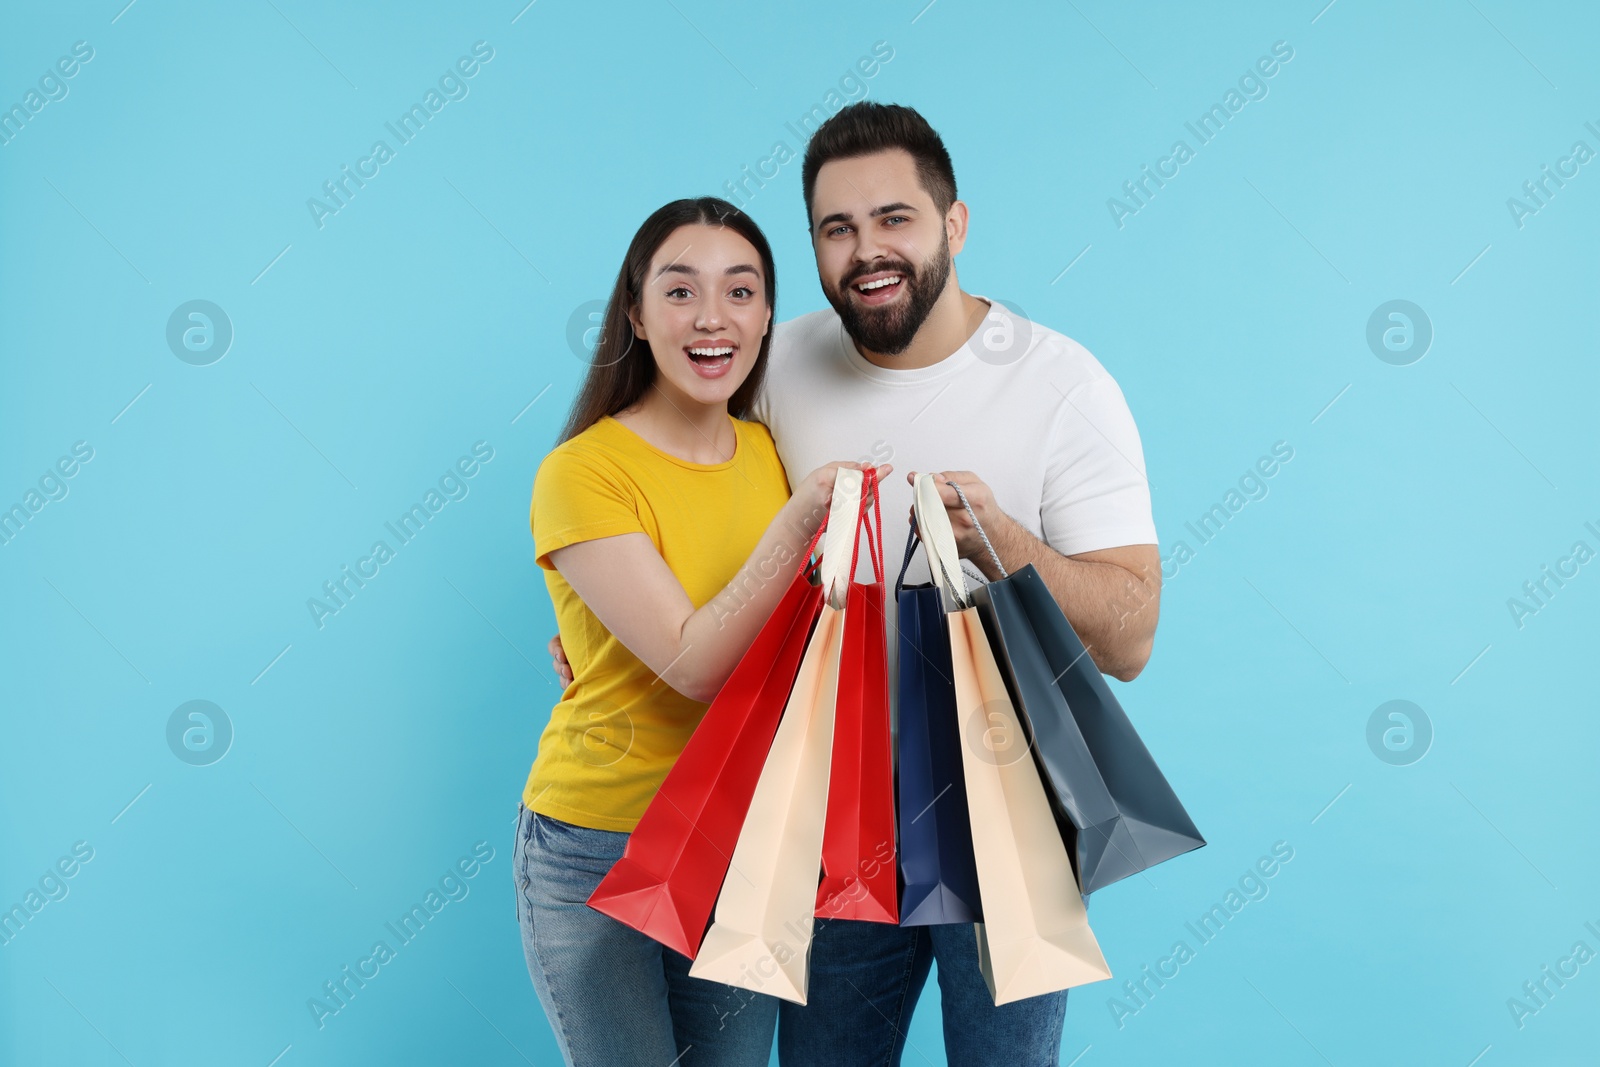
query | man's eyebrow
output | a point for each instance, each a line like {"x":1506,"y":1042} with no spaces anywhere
{"x":877,"y":212}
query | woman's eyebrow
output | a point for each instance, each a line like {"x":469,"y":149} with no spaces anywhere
{"x":694,"y":272}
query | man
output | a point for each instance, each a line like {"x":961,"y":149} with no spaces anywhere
{"x":908,"y":366}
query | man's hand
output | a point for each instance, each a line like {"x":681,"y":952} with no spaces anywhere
{"x":1111,"y":596}
{"x":558,"y":661}
{"x":1000,"y":527}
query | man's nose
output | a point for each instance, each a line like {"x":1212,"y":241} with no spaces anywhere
{"x":868,"y":247}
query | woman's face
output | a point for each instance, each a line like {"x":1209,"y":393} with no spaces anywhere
{"x":703,"y":311}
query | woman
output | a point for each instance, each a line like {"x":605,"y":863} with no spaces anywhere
{"x":652,"y":519}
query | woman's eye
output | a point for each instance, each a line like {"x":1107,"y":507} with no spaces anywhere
{"x":743,"y":292}
{"x":678,"y":292}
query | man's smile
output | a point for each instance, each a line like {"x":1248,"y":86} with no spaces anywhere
{"x":879,"y":287}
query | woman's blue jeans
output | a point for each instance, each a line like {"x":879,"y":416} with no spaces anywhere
{"x":614,"y":997}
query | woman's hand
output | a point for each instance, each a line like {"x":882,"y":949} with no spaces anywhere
{"x":813,"y":494}
{"x":630,"y":589}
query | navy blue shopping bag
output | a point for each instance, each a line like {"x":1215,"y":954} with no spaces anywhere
{"x":939,"y":877}
{"x":1117,"y":812}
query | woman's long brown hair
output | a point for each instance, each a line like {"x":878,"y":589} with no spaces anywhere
{"x":622,"y":367}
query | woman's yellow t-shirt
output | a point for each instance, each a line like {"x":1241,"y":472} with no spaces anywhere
{"x":617,"y":730}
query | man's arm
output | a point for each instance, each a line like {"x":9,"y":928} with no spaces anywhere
{"x":1111,"y":596}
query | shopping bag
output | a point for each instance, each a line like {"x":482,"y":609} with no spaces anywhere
{"x":760,"y":937}
{"x":858,"y":850}
{"x":940,"y":882}
{"x":667,"y":880}
{"x":1116,"y":810}
{"x":1035,"y":937}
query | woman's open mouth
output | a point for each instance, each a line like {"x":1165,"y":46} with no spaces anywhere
{"x":711,"y":359}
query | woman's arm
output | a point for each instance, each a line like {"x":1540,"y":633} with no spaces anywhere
{"x":635,"y":595}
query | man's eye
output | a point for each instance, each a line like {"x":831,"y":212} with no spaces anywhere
{"x":837,"y":230}
{"x":896,"y":218}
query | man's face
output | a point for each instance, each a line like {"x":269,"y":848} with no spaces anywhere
{"x":883,"y":253}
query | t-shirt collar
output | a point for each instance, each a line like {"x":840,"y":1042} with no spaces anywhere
{"x":954,"y":363}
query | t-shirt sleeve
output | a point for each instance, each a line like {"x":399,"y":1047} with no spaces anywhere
{"x":576,"y":498}
{"x":1096,"y":494}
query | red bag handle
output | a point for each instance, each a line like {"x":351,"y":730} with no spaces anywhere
{"x":810,"y":561}
{"x":873,"y":526}
{"x":869,"y":486}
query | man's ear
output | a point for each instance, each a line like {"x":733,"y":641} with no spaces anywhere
{"x":955,"y":226}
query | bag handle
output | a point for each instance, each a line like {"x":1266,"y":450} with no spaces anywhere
{"x":843,"y":520}
{"x":912,"y":541}
{"x":811,"y":562}
{"x":939,"y":538}
{"x":869,"y":484}
{"x":874,"y":525}
{"x":993,"y":555}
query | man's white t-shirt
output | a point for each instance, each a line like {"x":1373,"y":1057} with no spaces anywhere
{"x":1025,"y":408}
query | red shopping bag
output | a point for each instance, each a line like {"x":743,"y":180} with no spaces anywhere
{"x":859,"y":879}
{"x":666,"y":882}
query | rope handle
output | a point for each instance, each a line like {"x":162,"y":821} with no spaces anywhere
{"x":993,"y":555}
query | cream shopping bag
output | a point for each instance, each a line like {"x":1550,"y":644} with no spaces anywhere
{"x":760,"y":937}
{"x":1035,"y":937}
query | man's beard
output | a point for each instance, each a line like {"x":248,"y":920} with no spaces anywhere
{"x":889,"y":330}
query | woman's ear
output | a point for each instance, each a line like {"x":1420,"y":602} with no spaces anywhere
{"x":636,"y":322}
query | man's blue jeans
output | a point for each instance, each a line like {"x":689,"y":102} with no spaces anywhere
{"x":865,"y":979}
{"x":613,"y":996}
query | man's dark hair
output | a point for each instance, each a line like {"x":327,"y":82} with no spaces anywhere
{"x":866,"y":127}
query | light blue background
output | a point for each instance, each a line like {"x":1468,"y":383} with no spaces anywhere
{"x":426,"y":315}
